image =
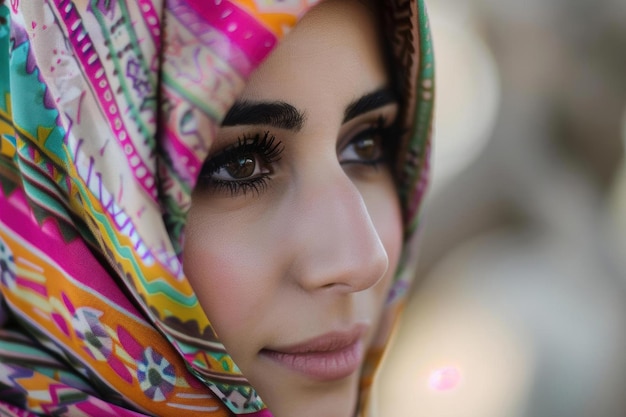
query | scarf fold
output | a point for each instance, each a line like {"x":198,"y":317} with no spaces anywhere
{"x":107,"y":112}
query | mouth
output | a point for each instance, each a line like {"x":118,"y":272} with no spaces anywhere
{"x":329,"y":357}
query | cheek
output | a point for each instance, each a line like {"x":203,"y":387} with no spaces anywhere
{"x":212,"y":279}
{"x":384,"y":209}
{"x":222,"y":267}
{"x":391,"y":234}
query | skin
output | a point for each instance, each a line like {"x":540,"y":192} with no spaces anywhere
{"x":315,"y":249}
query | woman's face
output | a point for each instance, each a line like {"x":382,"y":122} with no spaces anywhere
{"x":294,"y":233}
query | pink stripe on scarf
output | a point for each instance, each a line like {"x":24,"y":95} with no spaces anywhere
{"x":242,"y":29}
{"x":94,"y":70}
{"x":80,"y":264}
{"x":153,"y":21}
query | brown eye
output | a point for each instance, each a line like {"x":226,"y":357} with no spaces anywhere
{"x":367,"y":149}
{"x":242,"y":167}
{"x":247,"y":165}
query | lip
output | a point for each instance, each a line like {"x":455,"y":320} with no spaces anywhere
{"x":329,"y":357}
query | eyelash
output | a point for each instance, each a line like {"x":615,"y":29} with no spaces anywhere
{"x":261,"y":147}
{"x":267,"y":151}
{"x":388,"y":136}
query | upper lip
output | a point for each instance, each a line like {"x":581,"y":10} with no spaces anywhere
{"x":328,"y":342}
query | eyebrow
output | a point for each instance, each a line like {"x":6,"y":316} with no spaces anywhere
{"x":285,"y":116}
{"x":368,"y":102}
{"x":277,"y":113}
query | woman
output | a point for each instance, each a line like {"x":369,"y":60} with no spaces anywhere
{"x":147,"y":188}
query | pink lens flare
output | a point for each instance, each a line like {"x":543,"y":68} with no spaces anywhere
{"x":444,"y":379}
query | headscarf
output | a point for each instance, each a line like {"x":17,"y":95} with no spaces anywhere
{"x":107,"y":110}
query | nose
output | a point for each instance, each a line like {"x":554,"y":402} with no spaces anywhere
{"x":335,"y":242}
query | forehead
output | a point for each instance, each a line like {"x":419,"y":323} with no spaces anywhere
{"x":326,"y":60}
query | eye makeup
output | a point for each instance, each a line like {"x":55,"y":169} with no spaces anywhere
{"x":247,"y":166}
{"x":370,"y":146}
{"x":243,"y":167}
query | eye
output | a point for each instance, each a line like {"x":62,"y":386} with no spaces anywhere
{"x":245,"y":166}
{"x":240,"y":168}
{"x":366,"y":147}
{"x":363,"y":148}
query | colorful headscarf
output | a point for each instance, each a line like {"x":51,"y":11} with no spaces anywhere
{"x":107,"y":109}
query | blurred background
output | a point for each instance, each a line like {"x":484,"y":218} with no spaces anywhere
{"x":520,"y":305}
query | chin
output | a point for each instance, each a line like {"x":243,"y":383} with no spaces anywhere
{"x":330,"y":399}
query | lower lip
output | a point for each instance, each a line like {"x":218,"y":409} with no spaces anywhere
{"x":322,"y":366}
